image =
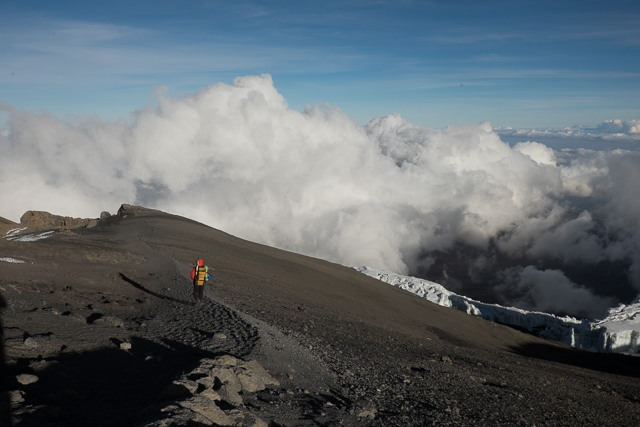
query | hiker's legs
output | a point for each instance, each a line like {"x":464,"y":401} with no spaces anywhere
{"x":195,"y":292}
{"x":199,"y":293}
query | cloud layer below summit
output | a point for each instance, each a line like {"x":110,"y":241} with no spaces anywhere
{"x":388,"y":195}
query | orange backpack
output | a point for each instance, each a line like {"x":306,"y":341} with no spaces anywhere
{"x":201,"y":275}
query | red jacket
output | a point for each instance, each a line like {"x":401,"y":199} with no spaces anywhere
{"x":193,"y":272}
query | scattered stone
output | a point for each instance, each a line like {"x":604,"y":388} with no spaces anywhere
{"x":220,"y":336}
{"x":41,"y":365}
{"x":253,"y":377}
{"x":208,"y":409}
{"x":367,"y":410}
{"x":26,"y":379}
{"x":93,"y":317}
{"x":246,"y":419}
{"x":31,"y":342}
{"x":213,"y":393}
{"x":16,"y":397}
{"x":226,"y":360}
{"x":229,"y":385}
{"x":109,"y":320}
{"x":191,"y":386}
{"x":447,"y":359}
{"x":207,"y":381}
{"x":125,"y":346}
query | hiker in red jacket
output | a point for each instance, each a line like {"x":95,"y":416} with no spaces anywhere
{"x":199,"y":275}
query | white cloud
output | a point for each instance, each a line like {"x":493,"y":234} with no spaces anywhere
{"x":551,"y":291}
{"x":609,"y":130}
{"x":570,"y":241}
{"x":237,"y":158}
{"x":538,"y":152}
{"x":616,"y":126}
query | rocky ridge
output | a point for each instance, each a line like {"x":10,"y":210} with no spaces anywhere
{"x":34,"y":221}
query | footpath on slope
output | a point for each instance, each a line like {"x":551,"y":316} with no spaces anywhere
{"x":306,"y":392}
{"x":133,"y":348}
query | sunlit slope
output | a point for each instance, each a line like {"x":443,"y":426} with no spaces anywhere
{"x":303,"y":289}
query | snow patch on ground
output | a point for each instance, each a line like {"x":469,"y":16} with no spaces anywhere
{"x":14,"y":232}
{"x":13,"y":260}
{"x":28,"y":237}
{"x":618,"y":332}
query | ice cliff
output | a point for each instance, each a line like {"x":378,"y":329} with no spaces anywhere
{"x":618,"y":332}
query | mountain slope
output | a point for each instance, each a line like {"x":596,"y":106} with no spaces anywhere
{"x":346,"y":348}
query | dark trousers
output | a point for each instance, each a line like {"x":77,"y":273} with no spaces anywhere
{"x":198,"y":292}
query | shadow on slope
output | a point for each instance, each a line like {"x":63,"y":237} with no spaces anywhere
{"x":105,"y":387}
{"x":5,"y":415}
{"x":155,"y":294}
{"x":617,"y":364}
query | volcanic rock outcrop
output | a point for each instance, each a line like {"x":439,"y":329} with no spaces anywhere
{"x":200,"y":395}
{"x":38,"y":220}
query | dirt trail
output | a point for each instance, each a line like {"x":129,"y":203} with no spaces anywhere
{"x":308,"y":390}
{"x":104,"y":349}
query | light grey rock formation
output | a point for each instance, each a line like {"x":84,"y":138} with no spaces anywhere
{"x":200,"y":395}
{"x":26,"y":379}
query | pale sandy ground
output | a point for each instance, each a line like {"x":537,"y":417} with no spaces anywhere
{"x":103,"y":317}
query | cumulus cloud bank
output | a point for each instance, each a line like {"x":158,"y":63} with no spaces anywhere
{"x":389,"y":194}
{"x":616,"y":130}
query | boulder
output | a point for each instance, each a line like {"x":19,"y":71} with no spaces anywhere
{"x":16,"y":397}
{"x":26,"y":379}
{"x":209,"y":410}
{"x":130,"y":210}
{"x":253,"y":377}
{"x":229,"y":386}
{"x":31,"y":342}
{"x":110,"y":321}
{"x":205,"y":394}
{"x":246,"y":419}
{"x":40,"y":220}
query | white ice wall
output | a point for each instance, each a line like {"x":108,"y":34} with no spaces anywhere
{"x":618,"y":332}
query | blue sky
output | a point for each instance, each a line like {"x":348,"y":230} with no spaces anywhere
{"x":524,"y":64}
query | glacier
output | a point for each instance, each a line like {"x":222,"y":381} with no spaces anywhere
{"x":617,"y":332}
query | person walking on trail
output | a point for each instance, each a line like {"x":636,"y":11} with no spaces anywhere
{"x":199,"y":275}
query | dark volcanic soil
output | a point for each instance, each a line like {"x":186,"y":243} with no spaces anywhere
{"x":104,"y":319}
